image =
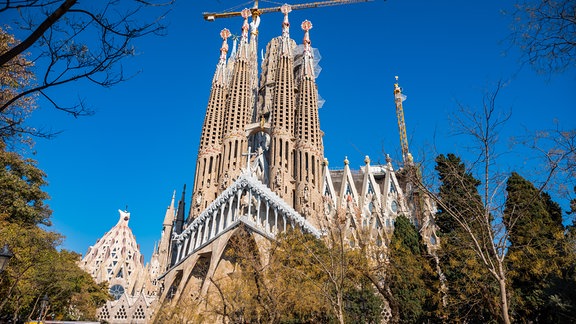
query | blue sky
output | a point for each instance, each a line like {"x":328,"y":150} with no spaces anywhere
{"x":141,"y":144}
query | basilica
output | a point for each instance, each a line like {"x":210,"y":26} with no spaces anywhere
{"x":260,"y":168}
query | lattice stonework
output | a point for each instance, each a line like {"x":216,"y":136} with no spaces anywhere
{"x":139,"y":313}
{"x":121,"y":313}
{"x":104,"y":313}
{"x":115,"y":258}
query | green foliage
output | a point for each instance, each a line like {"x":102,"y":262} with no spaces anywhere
{"x":362,"y":304}
{"x":413,"y":281}
{"x":21,"y":194}
{"x":294,"y":279}
{"x":38,"y":268}
{"x":15,"y":76}
{"x":470,"y":289}
{"x":541,"y":258}
{"x":458,"y":192}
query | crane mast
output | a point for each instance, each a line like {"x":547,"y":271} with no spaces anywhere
{"x":211,"y":16}
{"x":398,"y":99}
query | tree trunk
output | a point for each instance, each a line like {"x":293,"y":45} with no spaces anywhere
{"x":504,"y":299}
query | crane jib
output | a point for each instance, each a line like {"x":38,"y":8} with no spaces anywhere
{"x":211,"y":16}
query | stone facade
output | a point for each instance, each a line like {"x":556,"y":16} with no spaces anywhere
{"x":116,"y":258}
{"x":261,"y":168}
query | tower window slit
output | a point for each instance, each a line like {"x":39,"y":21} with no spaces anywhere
{"x":281,"y":147}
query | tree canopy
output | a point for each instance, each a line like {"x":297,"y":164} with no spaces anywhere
{"x":38,"y":268}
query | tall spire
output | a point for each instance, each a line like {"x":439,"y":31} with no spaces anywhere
{"x":282,"y":116}
{"x":309,"y":149}
{"x":179,"y":222}
{"x":209,"y":152}
{"x":170,"y":212}
{"x":239,"y":109}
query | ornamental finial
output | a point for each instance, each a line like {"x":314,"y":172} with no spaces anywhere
{"x":286,"y":9}
{"x":225,"y":33}
{"x":306,"y":26}
{"x":367,"y":159}
{"x":245,"y":27}
{"x":346,"y":162}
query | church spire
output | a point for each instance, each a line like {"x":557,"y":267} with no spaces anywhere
{"x":238,"y":110}
{"x":166,"y":235}
{"x":399,"y":99}
{"x":209,"y":152}
{"x":282,"y":116}
{"x":179,"y":223}
{"x":309,"y":149}
{"x":170,"y":212}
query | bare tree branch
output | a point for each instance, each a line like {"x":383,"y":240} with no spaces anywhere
{"x":75,"y":41}
{"x":545,"y":30}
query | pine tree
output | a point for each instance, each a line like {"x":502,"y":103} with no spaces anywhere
{"x":540,"y":259}
{"x":470,"y":287}
{"x":412,"y":279}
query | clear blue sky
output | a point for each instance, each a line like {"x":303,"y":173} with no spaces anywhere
{"x":141,"y":144}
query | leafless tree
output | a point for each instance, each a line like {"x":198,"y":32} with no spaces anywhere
{"x":546,"y":32}
{"x":69,"y":40}
{"x":486,"y":237}
{"x":483,"y":223}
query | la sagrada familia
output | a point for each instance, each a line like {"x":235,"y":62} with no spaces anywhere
{"x":260,"y":168}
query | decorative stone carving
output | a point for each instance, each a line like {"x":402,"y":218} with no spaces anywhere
{"x":225,"y":180}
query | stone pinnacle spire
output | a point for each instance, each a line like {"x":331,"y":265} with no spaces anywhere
{"x":170,"y":212}
{"x":308,"y":55}
{"x":286,"y":9}
{"x":286,"y":48}
{"x":220,"y":75}
{"x":282,"y":114}
{"x":309,"y":149}
{"x":243,"y":46}
{"x":238,"y":111}
{"x":209,"y":152}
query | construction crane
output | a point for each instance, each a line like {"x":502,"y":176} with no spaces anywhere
{"x":255,"y":11}
{"x":399,"y":98}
